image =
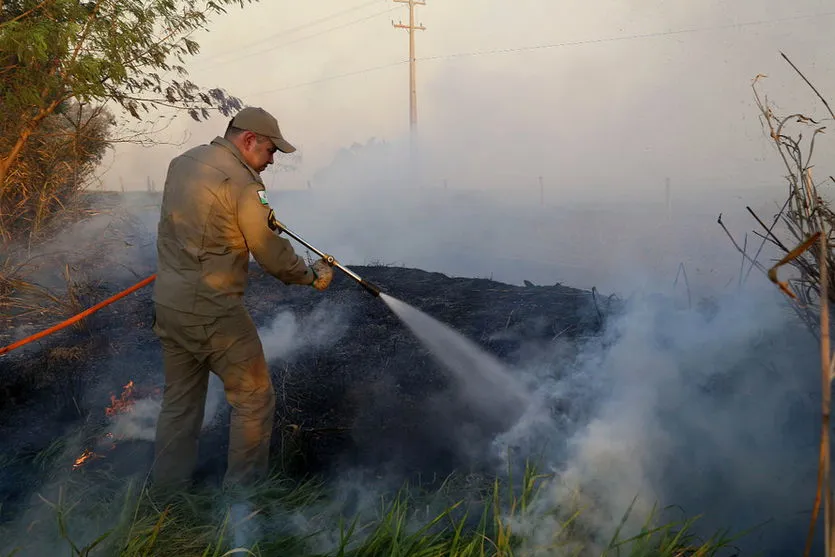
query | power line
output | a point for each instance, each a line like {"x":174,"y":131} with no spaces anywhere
{"x":546,"y":46}
{"x":306,"y":37}
{"x":317,"y":21}
{"x":623,"y":37}
{"x":331,"y":78}
{"x":328,"y":30}
{"x":309,"y":24}
{"x":294,"y":29}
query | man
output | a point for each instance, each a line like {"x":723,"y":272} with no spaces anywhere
{"x":214,"y":214}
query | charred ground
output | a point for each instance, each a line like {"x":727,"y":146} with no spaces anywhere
{"x":371,"y":398}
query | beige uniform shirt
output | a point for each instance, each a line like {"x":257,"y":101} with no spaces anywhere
{"x":214,"y":213}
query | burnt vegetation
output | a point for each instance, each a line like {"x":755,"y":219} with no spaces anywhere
{"x":364,"y":395}
{"x":372,"y":396}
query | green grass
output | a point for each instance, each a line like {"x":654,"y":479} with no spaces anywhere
{"x":89,"y":512}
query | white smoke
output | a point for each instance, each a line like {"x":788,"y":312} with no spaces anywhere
{"x":288,"y":336}
{"x":705,"y":409}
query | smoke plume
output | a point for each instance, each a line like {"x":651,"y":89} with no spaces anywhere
{"x":708,"y":409}
{"x":287,"y":336}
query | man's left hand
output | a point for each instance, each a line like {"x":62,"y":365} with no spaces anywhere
{"x":324,"y":274}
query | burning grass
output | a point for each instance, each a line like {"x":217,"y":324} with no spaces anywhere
{"x":90,"y":499}
{"x":87,"y":499}
{"x":345,"y":405}
{"x":119,"y":406}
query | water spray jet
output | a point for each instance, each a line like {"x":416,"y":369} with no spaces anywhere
{"x":485,"y":382}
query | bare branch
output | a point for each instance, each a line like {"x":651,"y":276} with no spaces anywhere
{"x":809,"y":83}
{"x":738,"y":248}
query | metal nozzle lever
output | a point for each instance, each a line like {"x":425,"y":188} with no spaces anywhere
{"x":275,"y":224}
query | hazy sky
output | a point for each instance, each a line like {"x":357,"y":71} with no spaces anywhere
{"x":607,"y":105}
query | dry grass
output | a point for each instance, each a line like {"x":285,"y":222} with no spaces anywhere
{"x":805,"y":214}
{"x":58,"y":162}
{"x":808,"y":226}
{"x":62,"y":275}
{"x":39,"y":199}
{"x":21,"y":296}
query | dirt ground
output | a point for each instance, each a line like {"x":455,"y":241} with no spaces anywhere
{"x":373,"y":398}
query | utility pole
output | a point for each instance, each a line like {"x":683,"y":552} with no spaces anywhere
{"x":412,"y":85}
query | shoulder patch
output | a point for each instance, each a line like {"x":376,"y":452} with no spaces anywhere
{"x":262,"y":196}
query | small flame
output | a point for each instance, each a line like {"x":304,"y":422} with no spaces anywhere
{"x":86,"y":456}
{"x":121,"y":405}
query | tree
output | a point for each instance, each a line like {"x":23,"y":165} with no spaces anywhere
{"x":96,"y":52}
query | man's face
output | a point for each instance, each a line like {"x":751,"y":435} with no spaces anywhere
{"x":257,"y":151}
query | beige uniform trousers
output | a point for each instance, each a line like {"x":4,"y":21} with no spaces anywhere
{"x":229,"y":346}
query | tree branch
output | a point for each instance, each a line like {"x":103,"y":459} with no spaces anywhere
{"x":25,"y":14}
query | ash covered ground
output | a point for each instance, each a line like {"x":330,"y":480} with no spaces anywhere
{"x":355,"y":387}
{"x":709,"y":404}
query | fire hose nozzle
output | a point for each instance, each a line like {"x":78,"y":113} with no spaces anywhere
{"x":370,"y":287}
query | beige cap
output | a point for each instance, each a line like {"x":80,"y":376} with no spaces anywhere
{"x":257,"y":120}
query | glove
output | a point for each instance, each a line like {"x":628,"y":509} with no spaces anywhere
{"x":323,"y":273}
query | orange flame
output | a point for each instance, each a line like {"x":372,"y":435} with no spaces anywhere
{"x":121,"y":405}
{"x":86,"y":456}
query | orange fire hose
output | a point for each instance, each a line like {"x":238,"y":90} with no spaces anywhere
{"x":80,"y":316}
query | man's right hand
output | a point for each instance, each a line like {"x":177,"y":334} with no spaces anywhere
{"x":324,"y":274}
